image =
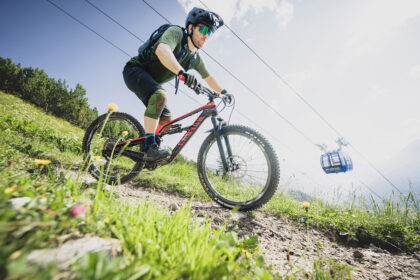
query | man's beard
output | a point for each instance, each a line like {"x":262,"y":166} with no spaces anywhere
{"x":199,"y":43}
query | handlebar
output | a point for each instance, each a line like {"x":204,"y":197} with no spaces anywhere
{"x":200,"y":89}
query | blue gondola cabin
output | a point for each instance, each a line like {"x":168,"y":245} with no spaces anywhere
{"x":336,"y":162}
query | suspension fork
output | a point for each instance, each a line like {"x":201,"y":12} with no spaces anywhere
{"x":218,"y":125}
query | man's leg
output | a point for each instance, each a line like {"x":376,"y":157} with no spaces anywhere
{"x":150,"y":124}
{"x":150,"y":92}
{"x":151,"y":116}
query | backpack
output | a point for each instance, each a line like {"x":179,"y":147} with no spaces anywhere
{"x":145,"y":49}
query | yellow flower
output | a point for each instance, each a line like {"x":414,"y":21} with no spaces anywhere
{"x":306,"y":204}
{"x":246,"y":253}
{"x":42,"y":161}
{"x":112,"y":107}
{"x":125,"y":133}
{"x":96,"y":157}
{"x":11,"y":189}
{"x":16,"y":254}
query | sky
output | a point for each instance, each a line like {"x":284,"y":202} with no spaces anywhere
{"x":357,"y":63}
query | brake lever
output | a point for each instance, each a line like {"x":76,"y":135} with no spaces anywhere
{"x":198,"y":89}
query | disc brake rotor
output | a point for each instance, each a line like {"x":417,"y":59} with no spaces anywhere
{"x":237,"y":167}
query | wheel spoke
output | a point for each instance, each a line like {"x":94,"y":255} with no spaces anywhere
{"x":250,"y":169}
{"x":106,"y":160}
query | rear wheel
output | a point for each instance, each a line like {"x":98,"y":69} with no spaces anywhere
{"x":252,"y":173}
{"x":104,"y":161}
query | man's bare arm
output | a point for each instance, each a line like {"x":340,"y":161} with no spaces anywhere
{"x":213,"y":84}
{"x":167,"y":58}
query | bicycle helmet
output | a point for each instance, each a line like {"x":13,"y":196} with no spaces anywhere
{"x":210,"y":19}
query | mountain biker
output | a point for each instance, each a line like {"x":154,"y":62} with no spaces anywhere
{"x":171,"y":55}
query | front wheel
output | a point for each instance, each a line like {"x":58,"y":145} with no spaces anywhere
{"x":102,"y":158}
{"x":248,"y":177}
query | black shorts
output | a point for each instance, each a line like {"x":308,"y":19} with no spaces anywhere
{"x":142,"y":84}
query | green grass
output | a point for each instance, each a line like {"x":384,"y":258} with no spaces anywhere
{"x":389,"y":224}
{"x":156,"y":243}
{"x":179,"y":176}
{"x":394,"y":226}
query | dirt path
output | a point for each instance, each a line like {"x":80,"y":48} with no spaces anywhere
{"x":277,"y":236}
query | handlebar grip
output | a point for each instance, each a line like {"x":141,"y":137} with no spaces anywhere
{"x":181,"y":77}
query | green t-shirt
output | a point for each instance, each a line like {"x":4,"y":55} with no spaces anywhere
{"x":172,"y":37}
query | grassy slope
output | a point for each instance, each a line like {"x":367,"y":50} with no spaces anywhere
{"x":155,"y":242}
{"x":27,"y":133}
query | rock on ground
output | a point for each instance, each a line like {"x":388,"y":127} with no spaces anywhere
{"x":71,"y":251}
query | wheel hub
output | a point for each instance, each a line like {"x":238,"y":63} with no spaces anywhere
{"x":237,"y":166}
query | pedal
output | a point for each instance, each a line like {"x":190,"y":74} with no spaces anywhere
{"x":176,"y":128}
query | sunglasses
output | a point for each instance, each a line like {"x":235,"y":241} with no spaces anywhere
{"x":205,"y":30}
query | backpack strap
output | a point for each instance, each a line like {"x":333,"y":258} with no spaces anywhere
{"x":181,"y":55}
{"x":184,"y":45}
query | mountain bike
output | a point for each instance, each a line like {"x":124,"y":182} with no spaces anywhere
{"x":236,"y":165}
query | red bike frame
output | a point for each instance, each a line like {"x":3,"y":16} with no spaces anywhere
{"x":207,"y":110}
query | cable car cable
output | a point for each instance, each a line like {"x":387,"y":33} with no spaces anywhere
{"x":303,"y":100}
{"x":112,"y":44}
{"x":116,"y":22}
{"x":236,"y":78}
{"x":380,"y":197}
{"x":240,"y":81}
{"x":129,"y":56}
{"x":141,"y":40}
{"x":250,"y":90}
{"x":109,"y":42}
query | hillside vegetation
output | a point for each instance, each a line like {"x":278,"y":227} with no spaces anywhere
{"x":53,"y":96}
{"x":156,"y":243}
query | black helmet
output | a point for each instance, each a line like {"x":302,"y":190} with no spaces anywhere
{"x":210,"y":19}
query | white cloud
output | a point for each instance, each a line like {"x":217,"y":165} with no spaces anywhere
{"x":375,"y":22}
{"x":415,"y":72}
{"x":284,"y":13}
{"x":376,"y":95}
{"x":238,"y":9}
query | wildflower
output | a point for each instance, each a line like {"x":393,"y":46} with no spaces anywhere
{"x":42,"y":161}
{"x":96,"y":157}
{"x":16,"y":254}
{"x":125,"y":133}
{"x":112,"y":107}
{"x":306,"y":205}
{"x":11,"y":189}
{"x":77,"y":210}
{"x":246,"y":253}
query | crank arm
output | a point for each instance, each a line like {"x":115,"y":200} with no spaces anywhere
{"x":136,"y":156}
